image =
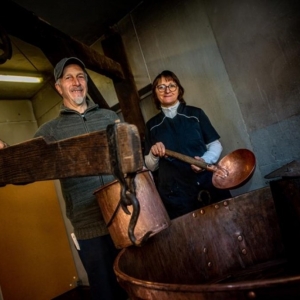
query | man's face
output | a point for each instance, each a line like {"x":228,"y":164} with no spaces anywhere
{"x":73,"y":86}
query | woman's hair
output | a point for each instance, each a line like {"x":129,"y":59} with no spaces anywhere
{"x":170,"y":76}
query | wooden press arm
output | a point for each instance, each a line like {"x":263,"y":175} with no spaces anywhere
{"x":84,"y":155}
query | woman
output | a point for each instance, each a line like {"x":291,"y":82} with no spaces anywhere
{"x":187,"y":130}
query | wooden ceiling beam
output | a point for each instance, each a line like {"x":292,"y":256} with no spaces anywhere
{"x":25,"y":25}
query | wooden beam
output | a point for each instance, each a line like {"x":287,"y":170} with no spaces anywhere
{"x":126,"y":89}
{"x":28,"y":27}
{"x":85,"y":155}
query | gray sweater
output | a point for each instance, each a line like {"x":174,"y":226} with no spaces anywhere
{"x":81,"y":204}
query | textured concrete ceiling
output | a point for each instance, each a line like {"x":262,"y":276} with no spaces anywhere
{"x":84,"y":20}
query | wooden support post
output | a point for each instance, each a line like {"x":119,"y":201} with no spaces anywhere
{"x":126,"y":90}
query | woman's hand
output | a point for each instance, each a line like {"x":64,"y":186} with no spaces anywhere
{"x":158,"y":149}
{"x":195,"y":168}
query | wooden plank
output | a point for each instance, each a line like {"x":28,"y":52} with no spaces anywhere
{"x":83,"y":155}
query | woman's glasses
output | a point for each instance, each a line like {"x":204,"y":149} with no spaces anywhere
{"x":162,"y":87}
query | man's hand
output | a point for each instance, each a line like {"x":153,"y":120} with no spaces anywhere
{"x":3,"y":145}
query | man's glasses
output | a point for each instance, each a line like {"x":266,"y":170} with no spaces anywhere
{"x":162,"y":87}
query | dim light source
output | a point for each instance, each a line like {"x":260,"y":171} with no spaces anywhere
{"x":14,"y":78}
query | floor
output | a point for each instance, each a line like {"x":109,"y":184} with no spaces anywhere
{"x":79,"y":293}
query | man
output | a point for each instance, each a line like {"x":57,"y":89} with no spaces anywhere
{"x":79,"y":115}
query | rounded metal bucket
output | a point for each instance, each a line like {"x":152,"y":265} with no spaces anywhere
{"x":153,"y":216}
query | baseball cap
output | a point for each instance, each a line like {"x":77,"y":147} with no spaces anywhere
{"x":59,"y":68}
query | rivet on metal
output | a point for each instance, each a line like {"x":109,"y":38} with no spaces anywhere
{"x":251,"y":295}
{"x":202,"y":211}
{"x":244,"y":251}
{"x":204,"y":250}
{"x":194,"y":215}
{"x":209,"y":264}
{"x":240,"y":238}
{"x":225,"y":203}
{"x":216,"y":206}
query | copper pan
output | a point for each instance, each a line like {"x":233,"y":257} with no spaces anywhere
{"x":232,"y":171}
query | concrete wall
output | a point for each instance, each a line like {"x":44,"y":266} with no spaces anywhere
{"x":17,"y":121}
{"x":259,"y":44}
{"x":237,"y":60}
{"x":46,"y":104}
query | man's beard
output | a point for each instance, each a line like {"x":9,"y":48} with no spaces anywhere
{"x":79,"y":100}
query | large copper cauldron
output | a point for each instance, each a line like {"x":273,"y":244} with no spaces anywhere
{"x":230,"y":250}
{"x":152,"y":217}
